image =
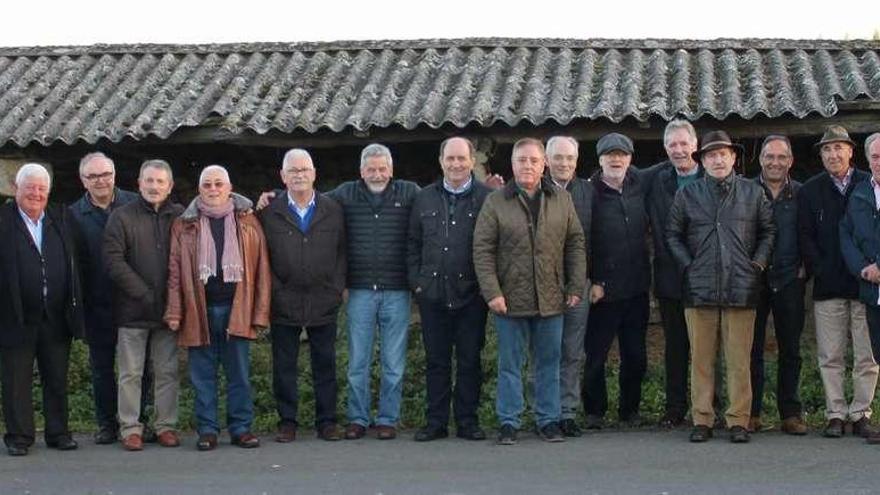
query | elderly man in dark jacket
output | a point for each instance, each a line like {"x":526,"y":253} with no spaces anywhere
{"x":621,"y":276}
{"x":136,"y":249}
{"x":679,"y":141}
{"x":305,"y":231}
{"x":721,"y":234}
{"x":531,"y":265}
{"x":782,"y":291}
{"x":441,"y":274}
{"x":40,"y":310}
{"x":97,"y":173}
{"x":821,"y":205}
{"x":860,"y":246}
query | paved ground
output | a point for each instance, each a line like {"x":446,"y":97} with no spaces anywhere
{"x":609,"y":462}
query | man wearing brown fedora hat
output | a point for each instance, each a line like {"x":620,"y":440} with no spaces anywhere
{"x":721,"y":233}
{"x":822,"y":203}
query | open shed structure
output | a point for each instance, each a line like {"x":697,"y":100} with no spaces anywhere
{"x":244,"y":105}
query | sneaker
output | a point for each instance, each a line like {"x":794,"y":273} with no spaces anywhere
{"x":594,"y":422}
{"x":551,"y":433}
{"x":834,"y":428}
{"x":794,"y":425}
{"x":738,"y":434}
{"x":700,"y":434}
{"x":862,"y":427}
{"x":507,"y":435}
{"x":570,"y":428}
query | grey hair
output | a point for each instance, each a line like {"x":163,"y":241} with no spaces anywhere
{"x":215,"y":168}
{"x":295,"y":153}
{"x":552,"y":142}
{"x":677,"y":124}
{"x":94,"y":156}
{"x":376,"y":149}
{"x":869,"y":141}
{"x":29,"y":170}
{"x":776,"y":137}
{"x":157,"y":164}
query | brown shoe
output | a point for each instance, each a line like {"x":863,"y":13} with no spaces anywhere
{"x":286,"y":433}
{"x":246,"y":441}
{"x":354,"y":431}
{"x":794,"y":425}
{"x":330,"y":432}
{"x":206,"y":442}
{"x":385,"y":432}
{"x":754,"y":424}
{"x":133,"y":442}
{"x":862,"y":427}
{"x":169,"y":438}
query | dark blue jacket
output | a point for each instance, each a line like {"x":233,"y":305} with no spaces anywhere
{"x":440,"y":253}
{"x":820,"y":208}
{"x":786,"y":260}
{"x":89,"y":222}
{"x":377,"y":233}
{"x":860,"y":238}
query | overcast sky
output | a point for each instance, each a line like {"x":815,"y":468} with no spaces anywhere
{"x":79,"y":22}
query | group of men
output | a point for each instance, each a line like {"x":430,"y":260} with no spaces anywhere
{"x":561,"y":263}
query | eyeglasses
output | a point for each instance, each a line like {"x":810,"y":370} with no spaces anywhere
{"x":95,"y":177}
{"x":297,"y":171}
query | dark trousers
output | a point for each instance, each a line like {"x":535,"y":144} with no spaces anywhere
{"x":285,"y":354}
{"x":677,"y":355}
{"x":628,"y":320}
{"x":102,"y":360}
{"x":52,"y":353}
{"x":872,"y":315}
{"x":443,"y":329}
{"x":787,"y":305}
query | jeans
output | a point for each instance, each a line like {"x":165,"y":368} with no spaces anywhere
{"x":465,"y":330}
{"x":628,"y":320}
{"x":787,"y":305}
{"x":285,"y":355}
{"x":234,"y":354}
{"x":389,"y":310}
{"x":515,"y":335}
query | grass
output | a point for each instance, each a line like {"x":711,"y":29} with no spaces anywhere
{"x":413,"y":404}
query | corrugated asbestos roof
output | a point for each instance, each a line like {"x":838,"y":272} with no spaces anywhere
{"x":114,"y":92}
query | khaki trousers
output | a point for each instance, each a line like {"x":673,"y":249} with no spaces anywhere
{"x":131,"y":351}
{"x":836,"y":320}
{"x":736,"y":327}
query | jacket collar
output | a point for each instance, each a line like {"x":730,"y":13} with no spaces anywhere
{"x":510,"y":189}
{"x":239,"y":202}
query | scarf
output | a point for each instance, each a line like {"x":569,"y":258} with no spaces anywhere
{"x":207,"y":251}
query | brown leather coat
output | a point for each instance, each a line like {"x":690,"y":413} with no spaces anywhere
{"x":186,"y":293}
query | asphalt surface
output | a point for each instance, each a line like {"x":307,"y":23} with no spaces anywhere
{"x":608,"y":462}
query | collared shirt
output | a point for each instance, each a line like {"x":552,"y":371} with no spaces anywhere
{"x":560,"y":185}
{"x":35,"y":228}
{"x":457,"y":190}
{"x":842,"y":184}
{"x":781,"y":189}
{"x":876,"y":192}
{"x":302,"y":212}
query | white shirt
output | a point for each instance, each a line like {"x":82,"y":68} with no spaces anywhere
{"x":301,"y":211}
{"x":35,"y":228}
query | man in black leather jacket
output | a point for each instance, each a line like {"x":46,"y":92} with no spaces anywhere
{"x":721,"y":234}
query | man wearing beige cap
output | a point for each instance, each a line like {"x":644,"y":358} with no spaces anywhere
{"x":720,"y":232}
{"x":821,"y":204}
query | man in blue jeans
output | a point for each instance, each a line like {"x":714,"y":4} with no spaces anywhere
{"x":530,"y":262}
{"x":376,"y":209}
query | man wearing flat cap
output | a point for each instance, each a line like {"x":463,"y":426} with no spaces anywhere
{"x":822,"y":202}
{"x":621,"y":275}
{"x":721,"y":234}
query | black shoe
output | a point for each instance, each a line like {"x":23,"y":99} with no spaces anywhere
{"x":63,"y":442}
{"x":834,"y":428}
{"x":551,"y":433}
{"x":470,"y":432}
{"x":738,"y":434}
{"x":594,"y":422}
{"x":700,"y":433}
{"x":862,"y":427}
{"x":570,"y":428}
{"x":672,"y":420}
{"x":106,"y":435}
{"x":633,"y":420}
{"x":507,"y":435}
{"x":431,"y":432}
{"x":17,"y":450}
